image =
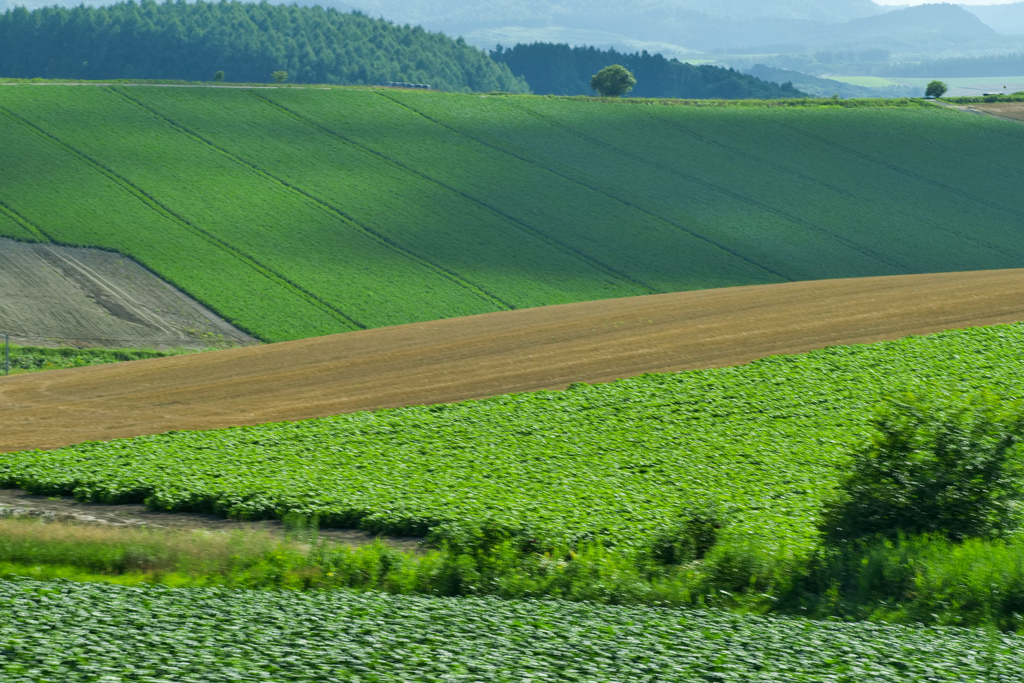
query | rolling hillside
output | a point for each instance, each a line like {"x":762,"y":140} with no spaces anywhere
{"x":766,"y":441}
{"x":486,"y":355}
{"x":302,"y":212}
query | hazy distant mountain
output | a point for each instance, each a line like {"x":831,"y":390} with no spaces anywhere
{"x":922,"y":29}
{"x":952,"y":20}
{"x":1008,"y":19}
{"x":474,"y":13}
{"x":645,"y":16}
{"x":808,"y":10}
{"x":690,"y":29}
{"x":720,"y":26}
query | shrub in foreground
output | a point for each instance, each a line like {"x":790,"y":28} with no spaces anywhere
{"x":933,"y":468}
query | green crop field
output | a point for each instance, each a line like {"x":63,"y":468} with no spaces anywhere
{"x":298,"y":212}
{"x":762,"y":443}
{"x":70,"y":633}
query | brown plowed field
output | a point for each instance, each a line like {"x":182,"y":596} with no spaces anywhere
{"x":496,"y":353}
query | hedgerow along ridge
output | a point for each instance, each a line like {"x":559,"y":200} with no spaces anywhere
{"x":619,"y":463}
{"x":420,"y":206}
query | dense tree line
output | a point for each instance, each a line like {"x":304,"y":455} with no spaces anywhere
{"x":247,"y":41}
{"x":552,"y":69}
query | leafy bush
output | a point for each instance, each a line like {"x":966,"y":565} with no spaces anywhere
{"x":613,"y":81}
{"x":935,"y":89}
{"x":689,"y":539}
{"x":933,"y":468}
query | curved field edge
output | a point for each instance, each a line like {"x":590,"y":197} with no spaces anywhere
{"x":317,"y":211}
{"x":763,"y":443}
{"x":92,"y":297}
{"x":475,"y":357}
{"x":190,"y":635}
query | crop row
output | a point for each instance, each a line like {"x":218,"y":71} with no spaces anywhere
{"x":70,"y":200}
{"x":274,"y":226}
{"x":600,"y":229}
{"x":301,"y":212}
{"x":806,"y":193}
{"x":763,"y":443}
{"x":80,"y":632}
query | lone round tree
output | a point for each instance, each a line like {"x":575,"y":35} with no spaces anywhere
{"x":935,"y":89}
{"x":613,"y":81}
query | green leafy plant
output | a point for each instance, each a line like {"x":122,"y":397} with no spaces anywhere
{"x":60,"y":631}
{"x":35,"y":358}
{"x":932,"y":467}
{"x":691,"y":537}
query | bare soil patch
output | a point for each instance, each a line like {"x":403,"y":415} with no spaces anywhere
{"x":54,"y":296}
{"x":496,"y":353}
{"x":1004,"y":110}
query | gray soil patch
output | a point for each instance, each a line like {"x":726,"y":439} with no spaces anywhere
{"x":16,"y":503}
{"x":68,"y":296}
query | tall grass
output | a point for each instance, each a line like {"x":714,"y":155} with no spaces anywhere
{"x":115,"y":550}
{"x":909,"y":579}
{"x":927,"y":578}
{"x":252,"y":558}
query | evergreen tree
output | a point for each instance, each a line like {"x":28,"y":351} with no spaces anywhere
{"x":249,"y":41}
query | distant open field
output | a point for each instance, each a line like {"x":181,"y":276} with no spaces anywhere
{"x":970,"y":87}
{"x":864,"y":81}
{"x":958,"y":87}
{"x":299,"y":212}
{"x":479,"y":356}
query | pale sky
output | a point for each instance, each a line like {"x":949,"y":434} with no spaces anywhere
{"x":907,"y":3}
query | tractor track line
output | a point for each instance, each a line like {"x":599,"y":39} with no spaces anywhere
{"x":902,"y":171}
{"x":155,"y":205}
{"x":817,"y":181}
{"x":525,"y":227}
{"x":25,"y":223}
{"x":737,"y":196}
{"x":320,"y":203}
{"x":700,"y":238}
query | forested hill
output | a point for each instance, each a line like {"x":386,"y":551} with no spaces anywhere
{"x":561,"y":70}
{"x":192,"y":41}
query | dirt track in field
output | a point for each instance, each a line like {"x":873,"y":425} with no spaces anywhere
{"x":15,"y":503}
{"x":495,"y":353}
{"x":1003,"y":110}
